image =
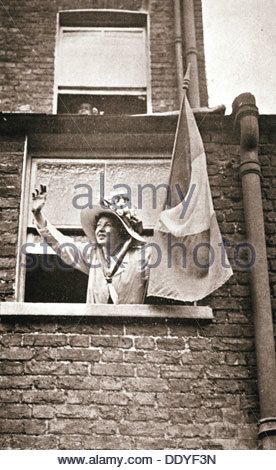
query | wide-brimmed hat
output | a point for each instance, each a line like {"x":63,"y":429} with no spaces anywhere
{"x":125,"y":215}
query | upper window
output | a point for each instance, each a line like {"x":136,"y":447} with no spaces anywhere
{"x":102,"y":63}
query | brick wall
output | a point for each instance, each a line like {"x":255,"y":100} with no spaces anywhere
{"x":27,"y":47}
{"x":201,"y":56}
{"x":268,"y":159}
{"x":148,"y":383}
{"x":11,"y":157}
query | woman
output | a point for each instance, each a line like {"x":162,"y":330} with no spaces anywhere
{"x":115,"y":257}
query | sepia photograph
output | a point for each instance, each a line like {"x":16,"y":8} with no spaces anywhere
{"x":137,"y":204}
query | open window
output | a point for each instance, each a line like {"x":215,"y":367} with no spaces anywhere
{"x":102,"y":62}
{"x":73,"y":183}
{"x":67,"y":162}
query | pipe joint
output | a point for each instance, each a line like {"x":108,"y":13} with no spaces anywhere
{"x":178,"y":40}
{"x":191,"y":50}
{"x":246,"y":117}
{"x":267,"y":426}
{"x":250,"y":166}
{"x":246,"y":110}
{"x":243,"y":106}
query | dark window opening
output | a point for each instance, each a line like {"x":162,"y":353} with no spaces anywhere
{"x":105,"y":104}
{"x":48,"y":279}
{"x":164,"y":301}
{"x":92,"y":18}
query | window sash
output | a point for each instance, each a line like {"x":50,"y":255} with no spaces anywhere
{"x":66,"y":181}
{"x":113,"y":58}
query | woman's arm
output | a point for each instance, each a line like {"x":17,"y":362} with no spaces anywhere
{"x":74,"y":254}
{"x":39,"y":199}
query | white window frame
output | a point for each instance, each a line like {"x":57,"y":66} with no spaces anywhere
{"x":19,"y":307}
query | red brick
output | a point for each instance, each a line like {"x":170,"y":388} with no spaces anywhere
{"x":223,"y":430}
{"x":112,"y":355}
{"x":43,"y":382}
{"x":200,"y":344}
{"x":43,"y":411}
{"x":76,"y":354}
{"x":11,"y":367}
{"x":98,"y":397}
{"x":180,"y":415}
{"x":180,"y":385}
{"x":78,"y":368}
{"x":135,"y":357}
{"x":45,"y":340}
{"x":10,"y":396}
{"x":46,"y":368}
{"x":184,"y":372}
{"x":147,"y":370}
{"x":171,"y":343}
{"x":143,"y":398}
{"x":37,"y":396}
{"x":71,"y":442}
{"x":10,"y":340}
{"x":16,"y":354}
{"x":111,"y":383}
{"x":165,"y":357}
{"x":139,"y":329}
{"x":144,"y":343}
{"x":78,"y":383}
{"x":145,"y":384}
{"x":117,"y":370}
{"x":111,"y":342}
{"x":76,"y":411}
{"x":11,"y":426}
{"x":35,"y":426}
{"x":15,"y":411}
{"x":143,"y":428}
{"x":11,"y":382}
{"x":81,"y":341}
{"x":146,"y":413}
{"x":112,"y":412}
{"x":82,"y":426}
{"x":188,"y":430}
{"x":178,"y":400}
{"x":34,"y":442}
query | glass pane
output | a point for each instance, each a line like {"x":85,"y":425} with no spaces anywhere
{"x":146,"y":199}
{"x":64,"y":202}
{"x":145,"y":181}
{"x":102,"y":58}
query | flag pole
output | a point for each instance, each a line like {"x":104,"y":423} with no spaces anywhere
{"x":186,"y":83}
{"x":185,"y":86}
{"x":187,"y":79}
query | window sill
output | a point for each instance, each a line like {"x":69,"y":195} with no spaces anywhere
{"x":122,"y":310}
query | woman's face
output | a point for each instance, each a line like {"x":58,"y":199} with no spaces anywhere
{"x":108,"y":232}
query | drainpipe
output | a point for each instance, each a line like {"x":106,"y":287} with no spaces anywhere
{"x":191,"y":51}
{"x":246,"y":116}
{"x":178,"y":49}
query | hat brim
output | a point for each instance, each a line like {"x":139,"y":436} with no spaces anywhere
{"x":89,"y":222}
